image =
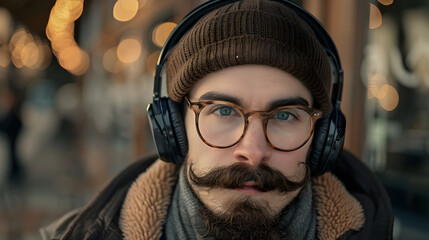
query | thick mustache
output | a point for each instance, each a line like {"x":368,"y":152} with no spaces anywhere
{"x":234,"y":176}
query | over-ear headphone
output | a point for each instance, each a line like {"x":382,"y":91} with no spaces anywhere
{"x":167,"y":123}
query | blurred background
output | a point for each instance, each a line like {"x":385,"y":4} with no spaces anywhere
{"x":76,"y":76}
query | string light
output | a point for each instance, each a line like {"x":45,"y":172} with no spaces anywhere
{"x":161,"y":33}
{"x":125,"y":10}
{"x":129,"y":50}
{"x":60,"y":31}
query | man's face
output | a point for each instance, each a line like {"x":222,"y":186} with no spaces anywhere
{"x":255,"y":87}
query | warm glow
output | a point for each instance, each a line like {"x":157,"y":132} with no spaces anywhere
{"x":59,"y":18}
{"x":16,"y":59}
{"x":125,"y":10}
{"x":57,"y":24}
{"x":388,"y":97}
{"x":29,"y":51}
{"x":110,"y":61}
{"x":45,"y":56}
{"x":30,"y":55}
{"x":83,"y":66}
{"x":59,"y":45}
{"x":4,"y":57}
{"x":385,"y":2}
{"x":375,"y":18}
{"x":75,"y":60}
{"x":70,"y":57}
{"x":129,"y":50}
{"x":16,"y":37}
{"x":161,"y":33}
{"x":5,"y":25}
{"x":73,"y":7}
{"x":151,"y":61}
{"x":60,"y":31}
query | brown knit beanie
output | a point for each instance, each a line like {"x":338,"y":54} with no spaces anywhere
{"x":250,"y":32}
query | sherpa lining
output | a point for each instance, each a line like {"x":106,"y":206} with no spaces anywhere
{"x":146,"y":204}
{"x":337,"y":210}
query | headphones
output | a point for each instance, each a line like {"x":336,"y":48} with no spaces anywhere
{"x":167,"y":123}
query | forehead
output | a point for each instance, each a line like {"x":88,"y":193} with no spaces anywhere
{"x":255,"y":86}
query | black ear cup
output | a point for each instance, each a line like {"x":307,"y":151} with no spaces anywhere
{"x":328,"y":142}
{"x":178,"y":124}
{"x":168,"y":130}
{"x":318,"y":145}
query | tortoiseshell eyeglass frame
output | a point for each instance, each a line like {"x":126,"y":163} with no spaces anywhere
{"x":197,"y":107}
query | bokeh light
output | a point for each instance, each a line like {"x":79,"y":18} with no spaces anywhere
{"x":129,"y":50}
{"x":4,"y":57}
{"x":45,"y":56}
{"x":5,"y":25}
{"x":161,"y":33}
{"x":25,"y":50}
{"x":125,"y":10}
{"x":375,"y":17}
{"x":385,"y":2}
{"x":60,"y":31}
{"x":388,"y":97}
{"x":70,"y":57}
{"x":16,"y":37}
{"x":30,"y":55}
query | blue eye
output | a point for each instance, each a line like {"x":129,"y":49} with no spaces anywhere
{"x":282,"y":115}
{"x":225,"y":111}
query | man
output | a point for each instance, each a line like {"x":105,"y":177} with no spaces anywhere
{"x":251,"y":80}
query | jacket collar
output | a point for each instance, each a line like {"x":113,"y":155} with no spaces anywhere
{"x":145,"y":207}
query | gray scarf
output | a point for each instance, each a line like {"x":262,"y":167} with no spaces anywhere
{"x":184,"y":222}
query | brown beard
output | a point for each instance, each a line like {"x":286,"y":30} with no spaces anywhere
{"x":245,"y":218}
{"x":241,"y":220}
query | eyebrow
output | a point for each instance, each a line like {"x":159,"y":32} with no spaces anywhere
{"x":211,"y":96}
{"x":288,"y":101}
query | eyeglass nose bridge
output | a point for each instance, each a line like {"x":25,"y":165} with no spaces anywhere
{"x":264,"y":118}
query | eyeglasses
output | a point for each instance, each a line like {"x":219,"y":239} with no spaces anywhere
{"x":222,"y":124}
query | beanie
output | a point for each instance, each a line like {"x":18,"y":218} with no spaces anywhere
{"x":250,"y":32}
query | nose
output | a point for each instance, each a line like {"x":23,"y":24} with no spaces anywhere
{"x":253,"y":148}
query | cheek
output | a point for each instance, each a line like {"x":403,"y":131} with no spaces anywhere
{"x":200,"y":154}
{"x":289,"y":162}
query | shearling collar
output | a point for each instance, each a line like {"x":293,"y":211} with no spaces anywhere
{"x":147,"y":201}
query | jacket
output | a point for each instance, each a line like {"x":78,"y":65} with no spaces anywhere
{"x":351,"y":203}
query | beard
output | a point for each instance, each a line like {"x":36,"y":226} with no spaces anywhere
{"x":242,"y":220}
{"x":245,"y":218}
